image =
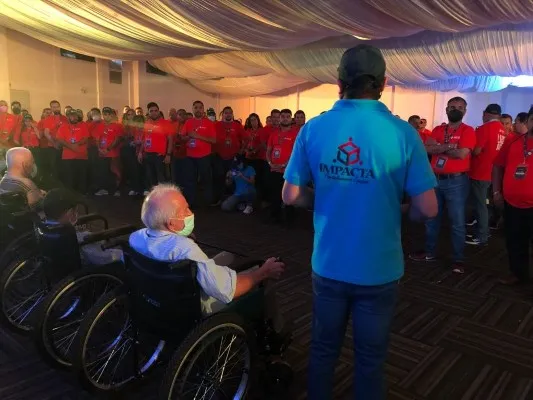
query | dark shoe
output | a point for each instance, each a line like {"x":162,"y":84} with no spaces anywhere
{"x":474,"y":241}
{"x":421,"y":257}
{"x":472,"y":222}
{"x":458,"y":267}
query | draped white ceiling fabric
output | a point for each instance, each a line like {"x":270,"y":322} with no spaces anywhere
{"x":253,"y":47}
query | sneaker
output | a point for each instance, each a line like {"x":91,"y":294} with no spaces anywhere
{"x":117,"y":193}
{"x":248,"y":210}
{"x":470,"y":236}
{"x":102,"y":192}
{"x":422,"y":257}
{"x":146,"y":193}
{"x":458,"y":267}
{"x":132,"y":193}
{"x":472,"y":222}
{"x":474,"y":241}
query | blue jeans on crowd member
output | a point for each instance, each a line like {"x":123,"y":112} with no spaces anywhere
{"x":481,"y":211}
{"x":234,"y":200}
{"x":372,"y":310}
{"x":454,"y":193}
{"x":195,"y":168}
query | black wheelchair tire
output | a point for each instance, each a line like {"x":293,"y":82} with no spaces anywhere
{"x":5,"y":276}
{"x":16,"y":248}
{"x":42,"y":340}
{"x":118,"y":295}
{"x":192,"y":344}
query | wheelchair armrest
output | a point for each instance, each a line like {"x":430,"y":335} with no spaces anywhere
{"x":92,"y":217}
{"x":108,"y":234}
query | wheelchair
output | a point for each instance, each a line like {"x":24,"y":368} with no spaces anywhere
{"x":26,"y":281}
{"x":15,"y":219}
{"x":136,"y":327}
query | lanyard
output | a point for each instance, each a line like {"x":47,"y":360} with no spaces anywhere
{"x":72,"y":133}
{"x":527,"y":152}
{"x":446,"y":135}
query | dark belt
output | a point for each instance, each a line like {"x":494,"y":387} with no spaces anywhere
{"x":441,"y":177}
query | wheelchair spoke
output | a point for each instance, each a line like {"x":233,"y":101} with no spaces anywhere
{"x":37,"y":296}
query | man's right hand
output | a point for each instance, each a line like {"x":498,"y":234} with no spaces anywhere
{"x":272,"y":268}
{"x":497,"y":198}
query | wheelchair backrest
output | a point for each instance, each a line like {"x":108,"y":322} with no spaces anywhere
{"x":165,"y":298}
{"x":58,"y":244}
{"x":15,"y":216}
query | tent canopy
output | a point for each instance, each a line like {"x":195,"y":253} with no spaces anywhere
{"x":253,"y":47}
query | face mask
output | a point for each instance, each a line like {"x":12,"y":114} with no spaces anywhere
{"x":188,"y":227}
{"x":57,"y":112}
{"x":212,"y":118}
{"x":454,"y":116}
{"x":16,"y":111}
{"x":3,"y":109}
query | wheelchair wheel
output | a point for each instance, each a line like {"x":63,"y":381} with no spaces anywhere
{"x":215,"y":361}
{"x":20,"y":248}
{"x":23,"y":286}
{"x":65,"y":307}
{"x":109,"y":352}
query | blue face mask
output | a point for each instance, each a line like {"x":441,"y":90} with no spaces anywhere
{"x":188,"y":226}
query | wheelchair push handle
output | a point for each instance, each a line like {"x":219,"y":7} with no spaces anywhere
{"x":122,"y":243}
{"x":109,"y":234}
{"x":84,"y":219}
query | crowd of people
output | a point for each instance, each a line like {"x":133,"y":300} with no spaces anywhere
{"x":356,"y":181}
{"x":109,"y":153}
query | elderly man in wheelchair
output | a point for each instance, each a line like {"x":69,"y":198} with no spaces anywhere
{"x":219,"y":319}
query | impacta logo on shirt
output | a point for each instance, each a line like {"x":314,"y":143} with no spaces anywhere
{"x":347,"y":166}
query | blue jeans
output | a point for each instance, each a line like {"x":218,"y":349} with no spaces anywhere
{"x":234,"y":200}
{"x":454,"y":193}
{"x":481,"y":211}
{"x":372,"y":310}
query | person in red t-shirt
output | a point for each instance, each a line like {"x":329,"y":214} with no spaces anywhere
{"x":254,"y":150}
{"x":199,"y":135}
{"x":279,"y":150}
{"x":490,"y":137}
{"x":507,"y":122}
{"x":263,"y":184}
{"x":73,"y":137}
{"x":29,"y":136}
{"x":299,"y":119}
{"x":229,"y":134}
{"x":108,"y":136}
{"x":9,"y":128}
{"x":50,"y":152}
{"x":179,"y":153}
{"x":450,"y":147}
{"x":157,"y":146}
{"x":133,"y":139}
{"x":512,"y":185}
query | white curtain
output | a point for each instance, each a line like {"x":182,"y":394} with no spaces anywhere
{"x":244,"y":47}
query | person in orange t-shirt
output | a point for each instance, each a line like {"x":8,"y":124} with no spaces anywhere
{"x":199,"y":135}
{"x":422,"y":129}
{"x":279,"y":150}
{"x":29,"y":136}
{"x":490,"y":137}
{"x":108,"y":136}
{"x":512,"y":185}
{"x":9,"y":128}
{"x":134,"y":138}
{"x":157,"y":146}
{"x":179,"y":153}
{"x":230,"y":135}
{"x":450,"y":147}
{"x":272,"y":125}
{"x":50,"y":153}
{"x":73,"y":137}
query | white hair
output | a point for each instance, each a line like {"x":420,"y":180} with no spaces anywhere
{"x":156,"y":212}
{"x":16,"y":156}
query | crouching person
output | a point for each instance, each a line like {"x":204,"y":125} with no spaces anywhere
{"x":169,"y":223}
{"x":242,"y":175}
{"x":60,"y":208}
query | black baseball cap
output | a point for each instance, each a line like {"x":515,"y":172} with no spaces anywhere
{"x":361,"y":60}
{"x":107,"y":110}
{"x":72,"y":111}
{"x":211,"y":111}
{"x":57,"y":202}
{"x":493,"y":109}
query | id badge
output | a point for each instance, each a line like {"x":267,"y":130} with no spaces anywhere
{"x":276,"y":153}
{"x":72,"y":140}
{"x":103,"y":143}
{"x":192,"y":143}
{"x":520,"y":172}
{"x":228,"y":142}
{"x":148,"y":143}
{"x":441,"y":162}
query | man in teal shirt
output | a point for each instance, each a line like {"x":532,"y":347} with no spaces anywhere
{"x":361,"y":159}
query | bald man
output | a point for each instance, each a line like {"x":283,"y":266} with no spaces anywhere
{"x":169,"y":223}
{"x":21,"y":169}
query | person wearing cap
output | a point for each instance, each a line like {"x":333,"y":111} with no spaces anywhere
{"x":108,"y":137}
{"x":450,"y":146}
{"x":157,"y":146}
{"x":199,"y":136}
{"x":211,"y":114}
{"x":512,"y":186}
{"x":230,"y":134}
{"x":242,"y":175}
{"x":73,"y":137}
{"x":361,"y":159}
{"x":29,"y":135}
{"x":489,"y":140}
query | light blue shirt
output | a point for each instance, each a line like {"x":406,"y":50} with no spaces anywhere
{"x":243,"y":187}
{"x":361,"y":159}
